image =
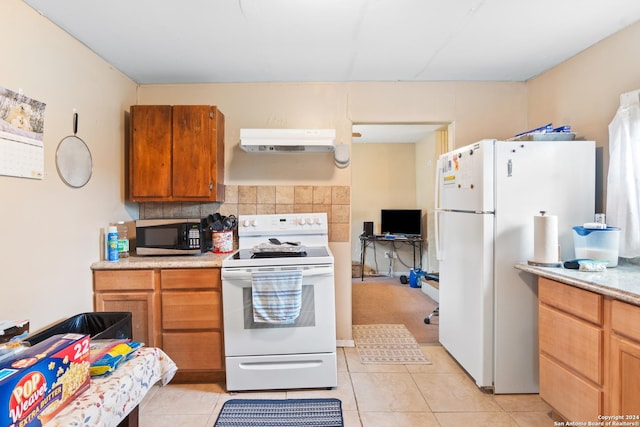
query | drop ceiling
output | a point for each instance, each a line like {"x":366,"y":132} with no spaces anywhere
{"x":221,"y":41}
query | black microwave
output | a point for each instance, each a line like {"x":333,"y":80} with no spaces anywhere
{"x":172,"y":237}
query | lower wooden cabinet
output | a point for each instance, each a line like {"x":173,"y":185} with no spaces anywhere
{"x":178,"y":310}
{"x":589,"y":353}
{"x":625,"y":359}
{"x":571,"y":343}
{"x":134,"y":291}
{"x":192,"y":320}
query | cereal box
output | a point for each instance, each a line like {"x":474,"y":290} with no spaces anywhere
{"x":40,"y":380}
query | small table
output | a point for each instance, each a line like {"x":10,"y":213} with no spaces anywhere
{"x":414,"y":241}
{"x":113,"y":400}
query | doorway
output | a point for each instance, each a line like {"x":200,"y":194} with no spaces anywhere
{"x":393,"y":167}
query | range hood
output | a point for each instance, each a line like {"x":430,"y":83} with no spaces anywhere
{"x":288,"y":140}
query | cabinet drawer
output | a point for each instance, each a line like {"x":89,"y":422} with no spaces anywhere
{"x":625,"y":319}
{"x":571,"y":396}
{"x":194,"y":350}
{"x":574,"y":342}
{"x":584,"y":304}
{"x":195,"y":278}
{"x":123,"y":280}
{"x":191,"y":310}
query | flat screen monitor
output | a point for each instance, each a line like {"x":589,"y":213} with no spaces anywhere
{"x":401,"y":221}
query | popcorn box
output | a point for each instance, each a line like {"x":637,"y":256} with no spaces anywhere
{"x":41,"y":380}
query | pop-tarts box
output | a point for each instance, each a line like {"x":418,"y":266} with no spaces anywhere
{"x":42,"y":379}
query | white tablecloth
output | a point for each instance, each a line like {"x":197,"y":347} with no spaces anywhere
{"x":110,"y":399}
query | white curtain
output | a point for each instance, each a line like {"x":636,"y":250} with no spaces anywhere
{"x":623,"y":181}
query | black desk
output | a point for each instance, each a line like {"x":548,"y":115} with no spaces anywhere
{"x":413,"y":241}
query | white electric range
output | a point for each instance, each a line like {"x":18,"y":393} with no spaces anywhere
{"x":299,"y":352}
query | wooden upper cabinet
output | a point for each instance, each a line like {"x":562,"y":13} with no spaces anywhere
{"x":176,"y":153}
{"x":150,"y":152}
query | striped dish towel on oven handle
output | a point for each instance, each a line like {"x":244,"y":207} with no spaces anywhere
{"x":276,"y":296}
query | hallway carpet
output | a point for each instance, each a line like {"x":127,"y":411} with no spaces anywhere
{"x":384,"y":300}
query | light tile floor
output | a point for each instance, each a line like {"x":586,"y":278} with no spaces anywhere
{"x":440,"y":394}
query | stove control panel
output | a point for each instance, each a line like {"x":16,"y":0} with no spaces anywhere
{"x":301,"y":223}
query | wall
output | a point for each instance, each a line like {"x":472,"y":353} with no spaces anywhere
{"x":476,"y":109}
{"x":50,"y":232}
{"x":426,"y":160}
{"x":584,"y":92}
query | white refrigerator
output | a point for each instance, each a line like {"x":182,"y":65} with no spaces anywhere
{"x":488,"y":194}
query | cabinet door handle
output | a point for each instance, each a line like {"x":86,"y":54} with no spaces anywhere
{"x":211,"y":186}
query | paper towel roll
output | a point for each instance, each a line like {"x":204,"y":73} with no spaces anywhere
{"x":545,"y":239}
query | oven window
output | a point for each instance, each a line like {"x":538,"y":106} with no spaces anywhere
{"x":307,"y":311}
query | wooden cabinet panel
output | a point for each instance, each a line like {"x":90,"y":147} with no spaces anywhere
{"x":176,"y":153}
{"x":150,"y":152}
{"x":123,"y":280}
{"x":191,"y":310}
{"x":142,"y":308}
{"x":194,"y":350}
{"x":573,"y":397}
{"x":625,"y":385}
{"x":192,"y":151}
{"x":625,"y":359}
{"x":625,"y":319}
{"x":194,"y":278}
{"x":584,"y":304}
{"x":575,"y":343}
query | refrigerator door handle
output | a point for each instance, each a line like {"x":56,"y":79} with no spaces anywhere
{"x":436,"y":234}
{"x":436,"y":213}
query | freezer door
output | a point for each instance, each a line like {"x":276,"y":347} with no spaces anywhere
{"x":465,"y":178}
{"x":466,"y":292}
{"x":553,"y":176}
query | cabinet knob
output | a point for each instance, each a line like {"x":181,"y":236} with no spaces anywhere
{"x":211,"y":186}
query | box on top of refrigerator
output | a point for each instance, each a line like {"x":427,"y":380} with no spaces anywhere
{"x":40,"y":380}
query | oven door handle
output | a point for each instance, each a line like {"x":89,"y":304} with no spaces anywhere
{"x":246,"y":273}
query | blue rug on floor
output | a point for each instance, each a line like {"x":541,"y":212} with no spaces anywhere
{"x":281,"y":413}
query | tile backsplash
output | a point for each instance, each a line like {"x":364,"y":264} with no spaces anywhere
{"x":335,"y":201}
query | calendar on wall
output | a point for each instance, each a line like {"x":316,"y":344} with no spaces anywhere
{"x":21,"y":135}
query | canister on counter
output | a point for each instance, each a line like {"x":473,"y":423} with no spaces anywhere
{"x":112,"y":244}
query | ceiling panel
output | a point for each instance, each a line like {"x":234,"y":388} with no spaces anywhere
{"x":204,"y":41}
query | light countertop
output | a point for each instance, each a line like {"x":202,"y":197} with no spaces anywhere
{"x":205,"y":260}
{"x":621,"y":282}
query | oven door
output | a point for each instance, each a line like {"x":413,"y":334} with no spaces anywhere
{"x":314,"y":330}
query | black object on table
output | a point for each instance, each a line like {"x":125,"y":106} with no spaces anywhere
{"x":98,"y":325}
